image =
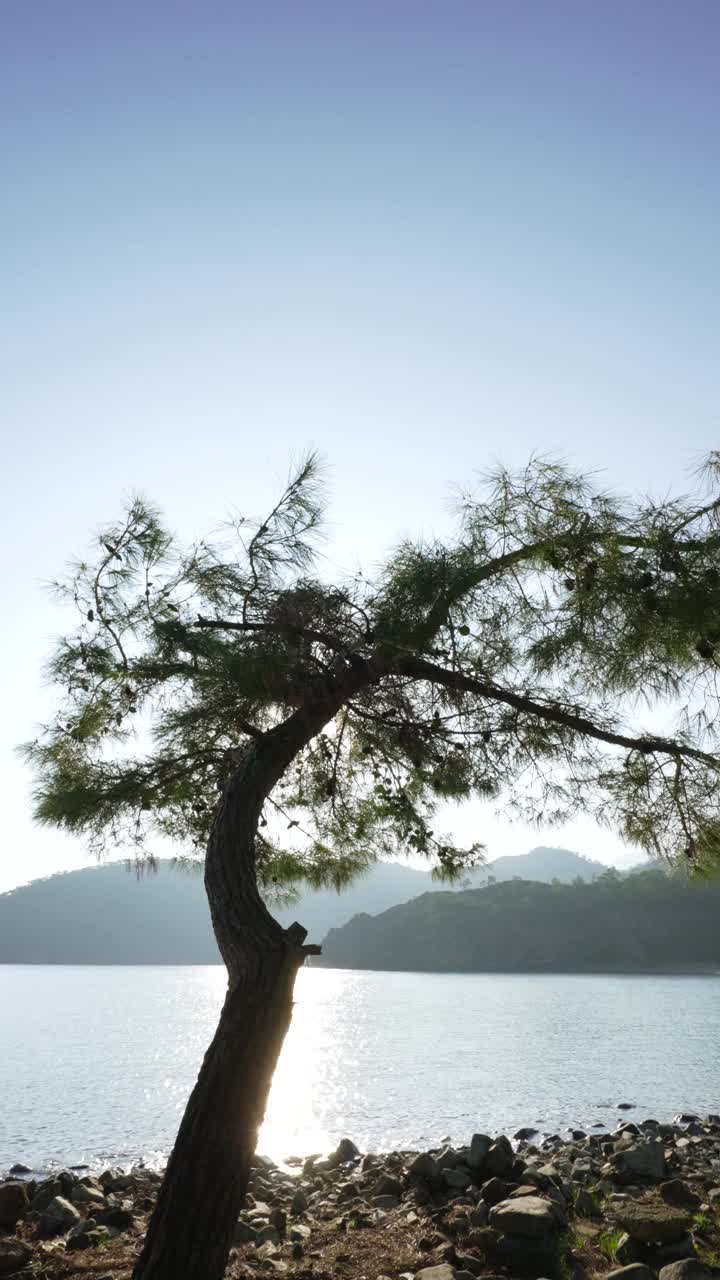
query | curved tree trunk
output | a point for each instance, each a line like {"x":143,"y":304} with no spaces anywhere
{"x":204,"y":1188}
{"x":192,"y":1227}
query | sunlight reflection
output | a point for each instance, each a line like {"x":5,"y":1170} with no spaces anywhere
{"x":306,"y":1072}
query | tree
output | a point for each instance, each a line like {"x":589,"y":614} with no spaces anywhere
{"x":231,"y":699}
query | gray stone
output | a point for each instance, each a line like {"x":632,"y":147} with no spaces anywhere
{"x":635,"y":1271}
{"x":59,"y":1217}
{"x":386,"y":1185}
{"x":118,"y":1217}
{"x":687,"y":1269}
{"x":14,"y":1255}
{"x":678,"y":1193}
{"x":494,"y":1190}
{"x":677,"y":1251}
{"x":539,"y":1257}
{"x":45,"y":1192}
{"x":480,"y":1145}
{"x":424,"y":1166}
{"x":467,"y":1263}
{"x":14,"y":1204}
{"x":442,"y":1272}
{"x":345,"y":1151}
{"x":500,"y":1158}
{"x":244,"y":1233}
{"x":585,"y":1206}
{"x":82,"y":1194}
{"x":645,"y":1160}
{"x":299,"y":1231}
{"x":529,"y":1216}
{"x":299,"y":1203}
{"x":652,"y":1223}
{"x":478,"y":1216}
{"x":267,"y":1235}
{"x":457,"y":1179}
{"x":385,"y":1202}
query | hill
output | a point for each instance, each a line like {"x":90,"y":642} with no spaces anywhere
{"x":104,"y":915}
{"x":647,"y":922}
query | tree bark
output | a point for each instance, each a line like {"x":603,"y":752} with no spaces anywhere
{"x":191,"y":1229}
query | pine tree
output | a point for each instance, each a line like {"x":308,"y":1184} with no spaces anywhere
{"x":229,"y":699}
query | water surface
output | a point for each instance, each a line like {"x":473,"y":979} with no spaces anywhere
{"x":96,"y":1063}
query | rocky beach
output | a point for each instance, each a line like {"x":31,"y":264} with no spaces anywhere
{"x":635,"y":1204}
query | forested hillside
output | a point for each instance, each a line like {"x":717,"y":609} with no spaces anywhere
{"x":639,"y":923}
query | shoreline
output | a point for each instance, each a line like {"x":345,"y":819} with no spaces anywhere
{"x":646,"y":1194}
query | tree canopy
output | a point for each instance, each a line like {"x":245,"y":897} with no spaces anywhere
{"x":557,"y":654}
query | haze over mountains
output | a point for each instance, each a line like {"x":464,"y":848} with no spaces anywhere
{"x":104,"y":915}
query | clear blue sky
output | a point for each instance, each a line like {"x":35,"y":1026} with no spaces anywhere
{"x":419,"y":236}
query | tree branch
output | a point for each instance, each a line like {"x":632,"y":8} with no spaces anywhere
{"x":273,"y":628}
{"x":419,"y":669}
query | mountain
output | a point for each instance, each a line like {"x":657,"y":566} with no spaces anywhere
{"x":646,"y":922}
{"x":105,"y":915}
{"x":541,"y":863}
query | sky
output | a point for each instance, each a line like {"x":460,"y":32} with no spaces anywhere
{"x":419,"y":237}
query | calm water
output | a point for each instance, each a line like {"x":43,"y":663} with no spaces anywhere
{"x":96,"y":1063}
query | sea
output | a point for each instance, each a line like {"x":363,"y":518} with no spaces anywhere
{"x":96,"y":1063}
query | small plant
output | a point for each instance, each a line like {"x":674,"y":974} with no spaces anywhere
{"x":608,"y":1242}
{"x":703,"y":1221}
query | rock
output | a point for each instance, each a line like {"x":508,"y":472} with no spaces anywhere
{"x":385,"y":1202}
{"x":529,"y":1216}
{"x":652,"y":1223}
{"x":345,"y":1151}
{"x":278,"y":1220}
{"x":267,"y":1235}
{"x":684,"y":1117}
{"x":679,"y":1195}
{"x":494,"y":1190}
{"x":582,"y":1169}
{"x":299,"y":1231}
{"x":500,"y":1158}
{"x":523,"y":1135}
{"x":626,"y":1106}
{"x":268,"y":1249}
{"x":14,"y":1204}
{"x":585,"y":1206}
{"x":86,"y":1235}
{"x":46,"y":1191}
{"x":299,"y":1203}
{"x":646,"y":1160}
{"x":679,"y":1250}
{"x":14,"y":1255}
{"x":478,"y":1216}
{"x":443,"y":1272}
{"x":117,"y":1217}
{"x":386,"y":1185}
{"x":480,"y":1144}
{"x":424,"y":1166}
{"x":635,"y":1271}
{"x":687,"y":1269}
{"x":456,"y":1179}
{"x":244,"y":1233}
{"x":17,"y":1169}
{"x":539,"y":1257}
{"x":59,"y":1216}
{"x":82,"y":1194}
